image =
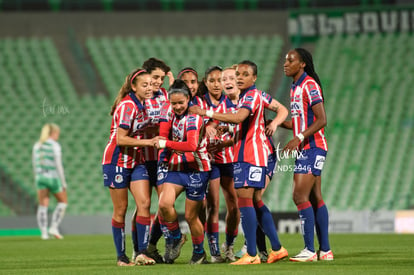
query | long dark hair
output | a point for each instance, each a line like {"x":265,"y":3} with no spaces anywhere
{"x":306,"y":57}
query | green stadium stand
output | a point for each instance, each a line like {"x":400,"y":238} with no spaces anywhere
{"x":116,"y":57}
{"x":370,"y":120}
{"x":39,"y":90}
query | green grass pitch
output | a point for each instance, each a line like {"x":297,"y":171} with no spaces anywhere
{"x":354,"y":254}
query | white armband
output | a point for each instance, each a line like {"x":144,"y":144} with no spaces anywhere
{"x":301,"y":137}
{"x":210,"y":113}
{"x":162,"y":143}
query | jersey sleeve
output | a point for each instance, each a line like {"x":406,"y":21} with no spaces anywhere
{"x":267,"y":99}
{"x":250,"y":101}
{"x":166,"y":112}
{"x":314,"y":93}
{"x":165,"y":127}
{"x":126,"y":113}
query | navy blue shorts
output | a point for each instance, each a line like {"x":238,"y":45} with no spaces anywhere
{"x":221,"y":170}
{"x":162,"y":171}
{"x":195,"y":183}
{"x":249,"y":175}
{"x":271,"y":165}
{"x":310,"y":161}
{"x":140,"y":172}
{"x":116,"y":177}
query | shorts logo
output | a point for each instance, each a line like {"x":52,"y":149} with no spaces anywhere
{"x":160,"y":176}
{"x":105,"y":176}
{"x":236,"y":168}
{"x":195,"y":177}
{"x":119,"y":179}
{"x":319,"y":162}
{"x":255,"y":174}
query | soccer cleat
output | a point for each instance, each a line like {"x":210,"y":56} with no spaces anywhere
{"x":228,"y":252}
{"x":199,"y":258}
{"x":143,"y":259}
{"x":172,"y":250}
{"x":263,"y":256}
{"x":54,"y":232}
{"x":247,"y":259}
{"x":275,"y":256}
{"x":325,"y":255}
{"x":239,"y":254}
{"x":44,"y":236}
{"x":305,"y":256}
{"x":217,"y":259}
{"x":124,"y":261}
{"x":153,"y":252}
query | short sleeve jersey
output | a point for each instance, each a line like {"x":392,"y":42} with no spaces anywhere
{"x":250,"y":139}
{"x":130,"y":115}
{"x":304,"y":94}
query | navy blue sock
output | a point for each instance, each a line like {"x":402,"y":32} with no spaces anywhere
{"x":307,"y":220}
{"x":265,"y":219}
{"x":322,"y":225}
{"x":142,"y":225}
{"x":156,"y":233}
{"x":213,"y":238}
{"x":134,"y":236}
{"x":118,"y":234}
{"x":249,"y":224}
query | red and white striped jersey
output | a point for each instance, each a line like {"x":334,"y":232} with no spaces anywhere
{"x":131,"y":115}
{"x":303,"y":95}
{"x":269,"y":141}
{"x":250,"y":138}
{"x":226,"y":155}
{"x":153,"y":107}
{"x":176,"y":131}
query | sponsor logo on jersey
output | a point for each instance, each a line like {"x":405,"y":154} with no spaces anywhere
{"x":249,"y":98}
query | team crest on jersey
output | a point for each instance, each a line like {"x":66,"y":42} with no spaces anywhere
{"x":255,"y":174}
{"x":119,"y":178}
{"x":319,"y":162}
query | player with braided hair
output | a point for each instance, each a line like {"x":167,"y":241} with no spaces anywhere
{"x":308,"y":122}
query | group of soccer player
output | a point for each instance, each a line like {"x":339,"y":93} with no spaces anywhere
{"x":203,"y":134}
